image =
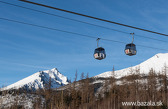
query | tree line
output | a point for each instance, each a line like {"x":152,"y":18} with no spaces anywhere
{"x":110,"y":94}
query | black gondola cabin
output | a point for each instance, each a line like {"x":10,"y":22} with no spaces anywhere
{"x":130,"y":49}
{"x":99,"y":53}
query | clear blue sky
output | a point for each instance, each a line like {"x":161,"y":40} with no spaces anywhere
{"x":27,"y":49}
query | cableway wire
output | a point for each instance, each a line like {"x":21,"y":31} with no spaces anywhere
{"x":96,"y":18}
{"x":80,"y":21}
{"x":55,"y":29}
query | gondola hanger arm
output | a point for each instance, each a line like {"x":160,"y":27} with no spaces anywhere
{"x":98,"y":42}
{"x":132,"y":37}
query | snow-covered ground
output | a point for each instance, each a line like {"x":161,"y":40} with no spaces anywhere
{"x":25,"y":100}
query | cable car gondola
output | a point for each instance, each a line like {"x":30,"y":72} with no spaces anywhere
{"x":130,"y":49}
{"x":99,"y":52}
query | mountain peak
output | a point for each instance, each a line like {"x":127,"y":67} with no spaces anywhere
{"x":54,"y":69}
{"x":40,"y":80}
{"x":157,"y":63}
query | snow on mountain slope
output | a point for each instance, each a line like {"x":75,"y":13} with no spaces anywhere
{"x":156,"y":62}
{"x":40,"y":80}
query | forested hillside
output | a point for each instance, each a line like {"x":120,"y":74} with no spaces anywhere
{"x":144,"y":91}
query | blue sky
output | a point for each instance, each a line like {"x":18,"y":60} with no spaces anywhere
{"x":27,"y":49}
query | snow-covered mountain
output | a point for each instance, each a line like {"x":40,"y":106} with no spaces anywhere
{"x":40,"y":80}
{"x":157,"y":63}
